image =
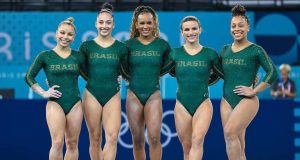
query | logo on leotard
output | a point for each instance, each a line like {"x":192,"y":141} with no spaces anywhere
{"x":61,"y":67}
{"x":103,"y":56}
{"x":234,"y":61}
{"x":191,"y":64}
{"x":145,"y":53}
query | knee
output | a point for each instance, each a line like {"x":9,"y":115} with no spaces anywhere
{"x":57,"y":144}
{"x":230,"y":135}
{"x":95,"y":138}
{"x":112,"y":138}
{"x":186,"y":146}
{"x":154,"y":141}
{"x":139,"y":142}
{"x":72,"y":144}
{"x":197,"y":140}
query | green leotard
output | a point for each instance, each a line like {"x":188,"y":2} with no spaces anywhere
{"x":145,"y":65}
{"x":240,"y":68}
{"x":192,"y":74}
{"x":59,"y":71}
{"x":103,"y":66}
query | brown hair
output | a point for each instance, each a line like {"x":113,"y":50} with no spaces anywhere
{"x":239,"y":10}
{"x":68,"y":21}
{"x":190,"y":18}
{"x":140,"y":10}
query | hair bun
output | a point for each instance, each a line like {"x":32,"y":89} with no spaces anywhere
{"x":238,"y":10}
{"x":107,"y":6}
{"x":70,"y":20}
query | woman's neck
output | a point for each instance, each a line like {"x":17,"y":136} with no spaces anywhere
{"x":193,"y":46}
{"x":62,"y":49}
{"x":147,"y":39}
{"x":102,"y":39}
{"x":241,"y":43}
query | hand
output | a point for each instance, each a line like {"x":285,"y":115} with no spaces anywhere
{"x":244,"y":91}
{"x":119,"y":79}
{"x":52,"y":92}
{"x":278,"y":93}
{"x":47,"y":82}
{"x":286,"y":92}
{"x":256,"y":80}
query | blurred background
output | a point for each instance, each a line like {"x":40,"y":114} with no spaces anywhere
{"x":28,"y":27}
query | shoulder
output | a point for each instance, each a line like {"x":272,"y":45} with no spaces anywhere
{"x":120,"y":44}
{"x":88,"y":42}
{"x":76,"y":53}
{"x":129,"y":41}
{"x":225,"y":49}
{"x":258,"y":49}
{"x":162,"y":41}
{"x":175,"y":51}
{"x":45,"y":53}
{"x":41,"y":56}
{"x":210,"y":50}
{"x":226,"y":46}
{"x":122,"y":47}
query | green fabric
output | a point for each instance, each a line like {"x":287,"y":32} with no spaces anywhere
{"x":59,"y":71}
{"x":145,"y":66}
{"x":240,"y":68}
{"x":103,"y":67}
{"x":192,"y":73}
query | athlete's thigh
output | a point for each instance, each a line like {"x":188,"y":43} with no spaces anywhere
{"x":135,"y":114}
{"x":183,"y":122}
{"x":111,"y":117}
{"x":153,"y":113}
{"x":202,"y":118}
{"x":74,"y":121}
{"x":92,"y":112}
{"x":225,"y":110}
{"x":56,"y":120}
{"x":243,"y":114}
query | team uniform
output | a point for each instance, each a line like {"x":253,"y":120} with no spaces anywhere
{"x":59,"y":71}
{"x":103,"y":67}
{"x":145,"y":66}
{"x":240,"y":68}
{"x":193,"y":73}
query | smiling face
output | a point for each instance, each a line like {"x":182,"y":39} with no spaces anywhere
{"x":104,"y":24}
{"x":65,"y":35}
{"x":145,"y":25}
{"x":239,"y":28}
{"x":190,"y":30}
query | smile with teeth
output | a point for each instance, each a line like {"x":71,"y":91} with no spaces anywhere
{"x":145,"y":30}
{"x":192,"y":36}
{"x":64,"y":40}
{"x":104,"y":30}
{"x":237,"y":33}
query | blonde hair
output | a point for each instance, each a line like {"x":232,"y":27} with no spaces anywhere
{"x":285,"y":67}
{"x":139,"y":10}
{"x":68,"y":21}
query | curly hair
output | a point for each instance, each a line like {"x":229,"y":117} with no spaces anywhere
{"x":239,"y":10}
{"x":140,"y":10}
